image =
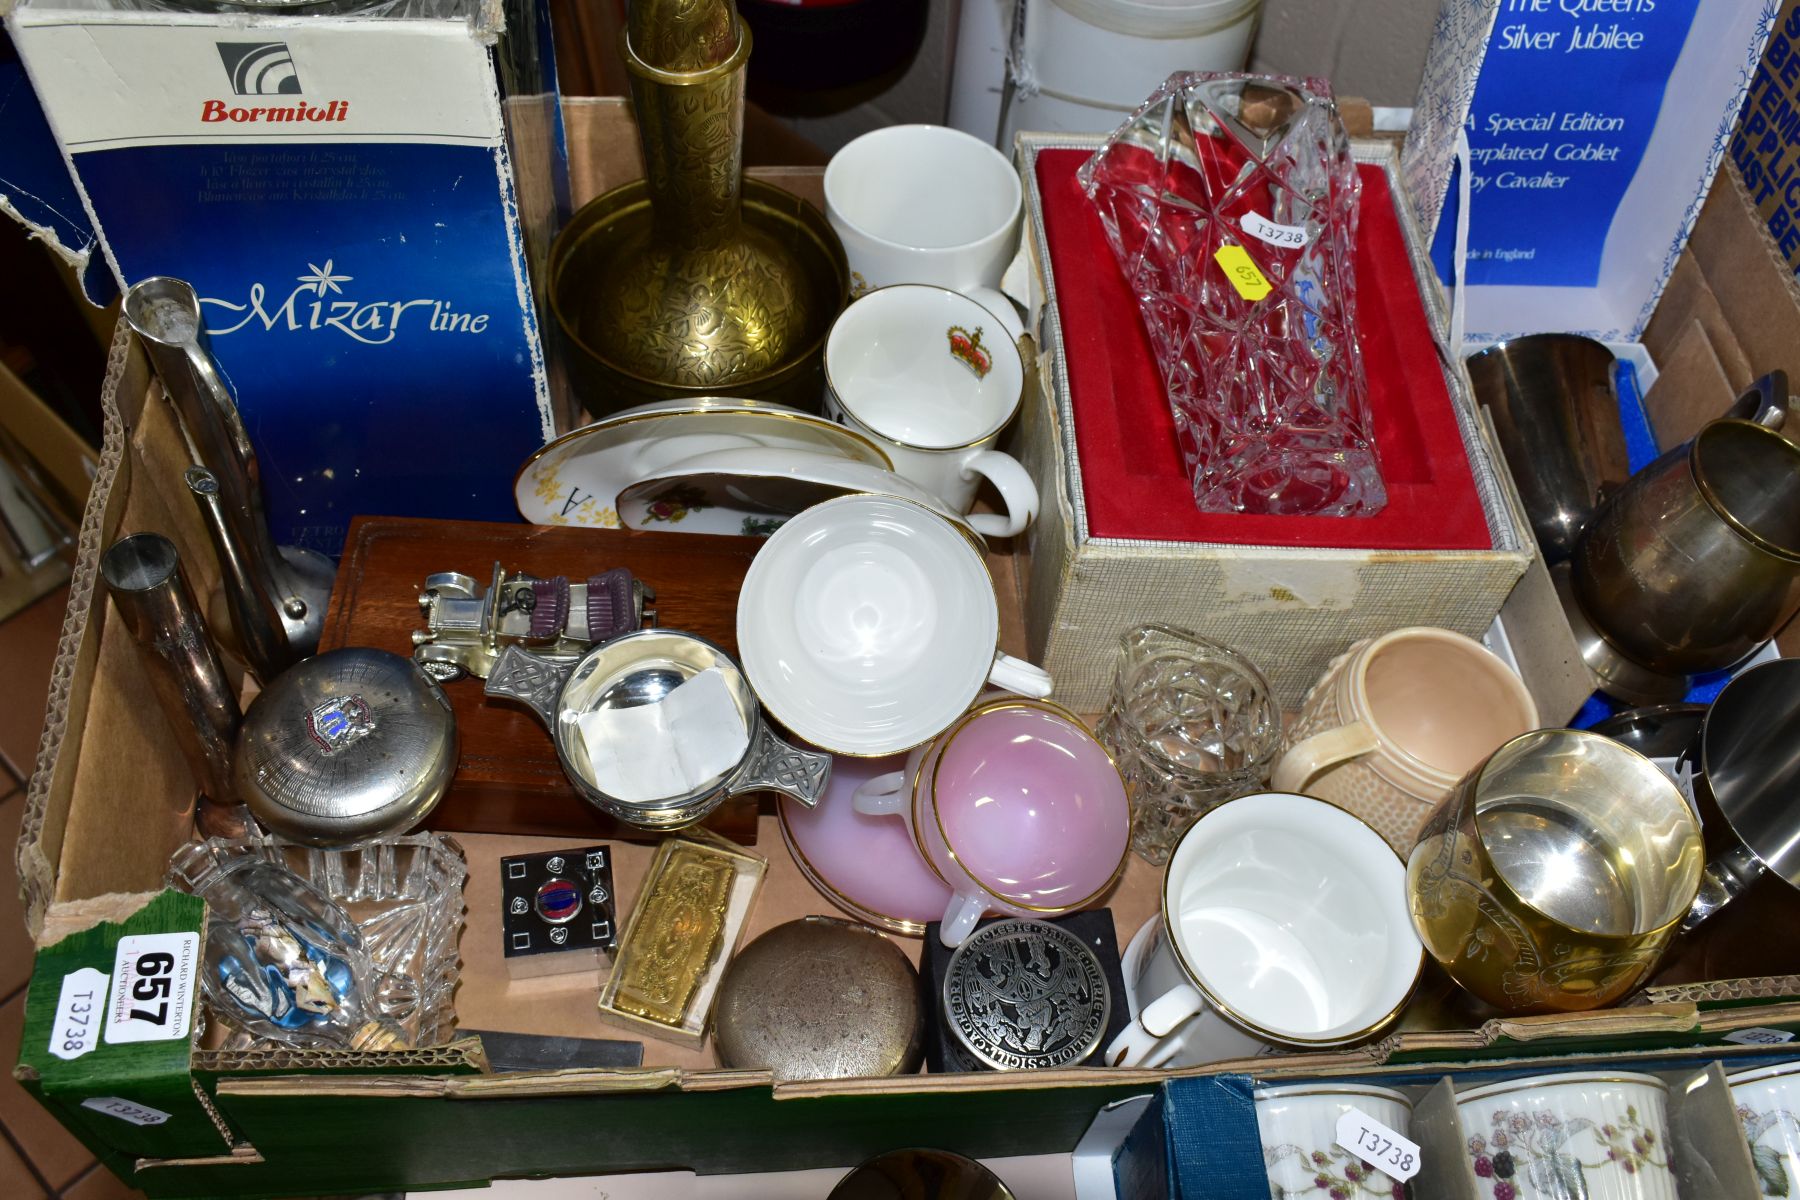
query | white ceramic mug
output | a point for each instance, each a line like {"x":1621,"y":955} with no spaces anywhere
{"x":1283,"y":921}
{"x":1298,"y":1126}
{"x":927,"y":204}
{"x":1603,"y":1135}
{"x":1768,"y":1107}
{"x":923,"y":372}
{"x":1152,"y":973}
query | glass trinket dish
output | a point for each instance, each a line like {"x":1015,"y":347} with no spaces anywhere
{"x":404,"y":900}
{"x":1191,"y":724}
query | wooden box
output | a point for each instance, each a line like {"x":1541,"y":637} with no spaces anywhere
{"x":508,"y":779}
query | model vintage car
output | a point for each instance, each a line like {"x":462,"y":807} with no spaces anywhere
{"x":466,"y":628}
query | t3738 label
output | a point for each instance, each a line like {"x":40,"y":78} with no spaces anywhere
{"x":79,"y":1009}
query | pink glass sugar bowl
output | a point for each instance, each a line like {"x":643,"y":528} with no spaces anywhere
{"x":1016,"y":807}
{"x":867,"y":866}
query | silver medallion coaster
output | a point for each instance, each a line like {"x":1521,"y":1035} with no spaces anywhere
{"x":1021,"y":995}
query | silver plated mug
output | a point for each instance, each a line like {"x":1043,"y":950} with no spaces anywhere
{"x":1693,"y":564}
{"x":1556,"y":411}
{"x":1745,"y":777}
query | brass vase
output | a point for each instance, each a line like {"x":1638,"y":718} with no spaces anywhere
{"x":676,"y":285}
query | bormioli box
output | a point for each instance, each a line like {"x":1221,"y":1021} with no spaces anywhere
{"x":340,"y":192}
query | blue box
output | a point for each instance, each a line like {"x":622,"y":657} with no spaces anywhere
{"x":1594,"y":130}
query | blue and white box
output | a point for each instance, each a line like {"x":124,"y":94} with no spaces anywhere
{"x":1594,"y":129}
{"x":340,"y":192}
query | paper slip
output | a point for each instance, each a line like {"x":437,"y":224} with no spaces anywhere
{"x":655,"y":751}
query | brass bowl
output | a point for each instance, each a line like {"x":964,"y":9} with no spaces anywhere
{"x":622,"y":216}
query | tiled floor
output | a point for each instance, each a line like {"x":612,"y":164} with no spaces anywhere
{"x":38,"y":1158}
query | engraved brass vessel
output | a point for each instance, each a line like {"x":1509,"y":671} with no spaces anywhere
{"x":693,"y":279}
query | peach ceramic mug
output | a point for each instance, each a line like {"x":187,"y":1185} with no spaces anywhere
{"x":1397,"y":720}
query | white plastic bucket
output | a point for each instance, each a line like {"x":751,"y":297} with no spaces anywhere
{"x":1082,"y":66}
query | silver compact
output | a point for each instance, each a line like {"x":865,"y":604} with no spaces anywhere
{"x":820,"y":998}
{"x":1023,"y":995}
{"x":346,"y":748}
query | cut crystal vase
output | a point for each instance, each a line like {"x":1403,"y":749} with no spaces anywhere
{"x":1230,"y":202}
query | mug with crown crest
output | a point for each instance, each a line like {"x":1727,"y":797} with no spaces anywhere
{"x":930,"y":377}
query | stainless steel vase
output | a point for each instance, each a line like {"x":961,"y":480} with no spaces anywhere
{"x":276,"y":595}
{"x":1695,"y":562}
{"x":143,"y":574}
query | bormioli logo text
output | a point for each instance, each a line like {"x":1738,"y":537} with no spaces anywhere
{"x":266,"y":69}
{"x":218,"y":110}
{"x":309,"y":305}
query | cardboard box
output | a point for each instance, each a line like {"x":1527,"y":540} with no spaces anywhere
{"x":42,"y":463}
{"x":1289,"y":609}
{"x":98,"y":833}
{"x":1595,"y":132}
{"x":341,"y":193}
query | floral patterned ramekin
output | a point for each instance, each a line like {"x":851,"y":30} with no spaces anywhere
{"x":1585,"y":1135}
{"x":1768,"y":1107}
{"x":1298,"y":1124}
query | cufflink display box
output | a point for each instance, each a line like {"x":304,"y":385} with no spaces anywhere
{"x":559,"y":915}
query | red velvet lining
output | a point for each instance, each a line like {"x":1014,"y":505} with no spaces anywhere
{"x":1133,"y":479}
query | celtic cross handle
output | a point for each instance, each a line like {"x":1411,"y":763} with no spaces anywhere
{"x":776,"y":766}
{"x":532,"y":679}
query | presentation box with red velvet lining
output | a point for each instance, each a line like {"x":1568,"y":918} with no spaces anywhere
{"x":1119,"y":540}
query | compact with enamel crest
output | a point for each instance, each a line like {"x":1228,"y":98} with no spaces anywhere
{"x":345,"y":748}
{"x":558,"y":913}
